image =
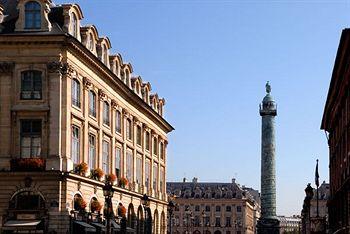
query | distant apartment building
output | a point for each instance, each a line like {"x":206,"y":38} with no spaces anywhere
{"x":290,"y":225}
{"x":213,"y":208}
{"x":70,"y":111}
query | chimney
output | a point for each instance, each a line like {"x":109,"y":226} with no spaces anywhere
{"x":233,"y":180}
{"x":184,"y":180}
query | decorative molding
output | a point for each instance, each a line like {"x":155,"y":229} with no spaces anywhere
{"x":87,"y":83}
{"x":102,"y":95}
{"x":62,"y":68}
{"x":6,"y":67}
{"x":114,"y":104}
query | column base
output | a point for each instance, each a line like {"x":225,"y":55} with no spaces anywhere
{"x":268,"y":226}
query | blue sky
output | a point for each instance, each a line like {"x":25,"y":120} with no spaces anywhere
{"x":210,"y":59}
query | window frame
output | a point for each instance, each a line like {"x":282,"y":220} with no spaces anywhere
{"x":105,"y":157}
{"x":32,"y":135}
{"x":76,"y":159}
{"x":35,"y":14}
{"x":76,"y":93}
{"x":106,"y":114}
{"x":33,"y":74}
{"x":92,"y":161}
{"x":118,"y":122}
{"x":92,"y":104}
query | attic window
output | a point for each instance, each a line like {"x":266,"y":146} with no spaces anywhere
{"x":74,"y":25}
{"x":32,"y":15}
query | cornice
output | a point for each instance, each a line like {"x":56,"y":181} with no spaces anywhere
{"x":92,"y":61}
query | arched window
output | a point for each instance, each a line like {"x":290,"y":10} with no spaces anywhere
{"x":76,"y":93}
{"x":74,"y":25}
{"x":31,"y":85}
{"x":127,"y":77}
{"x":32,"y":15}
{"x":128,"y":129}
{"x":92,"y":103}
{"x":105,"y":54}
{"x":155,"y":146}
{"x":118,"y":122}
{"x":90,"y":42}
{"x":106,"y":113}
{"x":27,"y":200}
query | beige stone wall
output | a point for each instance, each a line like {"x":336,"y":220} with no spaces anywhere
{"x":240,"y":221}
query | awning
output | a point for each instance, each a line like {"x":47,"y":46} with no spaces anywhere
{"x":114,"y":225}
{"x":85,"y":226}
{"x":99,"y":226}
{"x":21,"y":225}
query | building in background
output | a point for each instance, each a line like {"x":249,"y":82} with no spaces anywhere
{"x":335,"y":122}
{"x":69,"y":107}
{"x":290,"y":225}
{"x":213,"y":208}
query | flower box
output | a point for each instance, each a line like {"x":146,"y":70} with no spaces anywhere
{"x":81,"y":168}
{"x":28,"y":164}
{"x":96,"y":174}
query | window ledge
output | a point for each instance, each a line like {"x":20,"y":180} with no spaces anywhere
{"x":30,"y":108}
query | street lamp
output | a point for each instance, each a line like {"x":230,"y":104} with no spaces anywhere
{"x":171,"y":207}
{"x":108,"y":192}
{"x":145,"y":203}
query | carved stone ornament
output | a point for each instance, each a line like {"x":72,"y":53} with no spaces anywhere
{"x":87,"y":83}
{"x":102,"y":95}
{"x":125,"y":113}
{"x":28,"y":182}
{"x":62,"y":68}
{"x":6,"y":67}
{"x":136,"y":120}
{"x":114,"y":104}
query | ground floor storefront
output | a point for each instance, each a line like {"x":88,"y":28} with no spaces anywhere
{"x":56,"y":202}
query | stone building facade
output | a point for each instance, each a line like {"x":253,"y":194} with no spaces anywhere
{"x":335,"y":122}
{"x":66,"y":102}
{"x":213,"y":208}
{"x":290,"y":225}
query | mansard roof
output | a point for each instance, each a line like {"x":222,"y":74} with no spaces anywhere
{"x":211,"y":190}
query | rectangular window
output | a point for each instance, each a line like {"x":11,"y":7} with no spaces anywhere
{"x":75,"y":144}
{"x":105,"y":157}
{"x":30,"y":138}
{"x":228,"y":222}
{"x":118,"y":156}
{"x":31,"y":85}
{"x":106,"y":113}
{"x":239,"y":209}
{"x":138,"y":135}
{"x":207,"y":208}
{"x":92,"y":104}
{"x":139,"y":169}
{"x":155,"y":146}
{"x":155,"y":177}
{"x":161,"y":150}
{"x":217,"y":222}
{"x":76,"y":93}
{"x":129,"y":166}
{"x":207,"y":221}
{"x":218,"y":208}
{"x":228,"y":208}
{"x":128,"y":129}
{"x":147,"y":140}
{"x":162,"y":180}
{"x":148,"y":175}
{"x":92,"y":151}
{"x":118,"y":122}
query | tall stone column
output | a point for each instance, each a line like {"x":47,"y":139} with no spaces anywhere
{"x":268,"y":222}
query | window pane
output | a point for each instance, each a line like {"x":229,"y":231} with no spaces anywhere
{"x":92,"y":151}
{"x":75,"y":145}
{"x":105,"y":157}
{"x":139,"y":169}
{"x":155,"y":177}
{"x":129,"y":166}
{"x":92,"y":103}
{"x":118,"y":128}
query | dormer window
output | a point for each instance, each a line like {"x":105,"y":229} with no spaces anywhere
{"x":105,"y":54}
{"x":74,"y":26}
{"x":32,"y":15}
{"x":90,"y":43}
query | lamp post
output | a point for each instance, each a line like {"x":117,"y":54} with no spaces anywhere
{"x":108,"y":192}
{"x":145,"y":203}
{"x":171,"y":207}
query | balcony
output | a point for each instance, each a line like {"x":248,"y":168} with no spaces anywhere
{"x":28,"y":164}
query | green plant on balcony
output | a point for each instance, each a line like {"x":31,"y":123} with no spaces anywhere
{"x":111,"y":178}
{"x":96,"y":174}
{"x":27,"y":164}
{"x":123,"y":182}
{"x":81,"y":168}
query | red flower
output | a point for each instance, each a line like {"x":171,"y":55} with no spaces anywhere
{"x":95,"y":206}
{"x":111,"y":178}
{"x":96,"y":174}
